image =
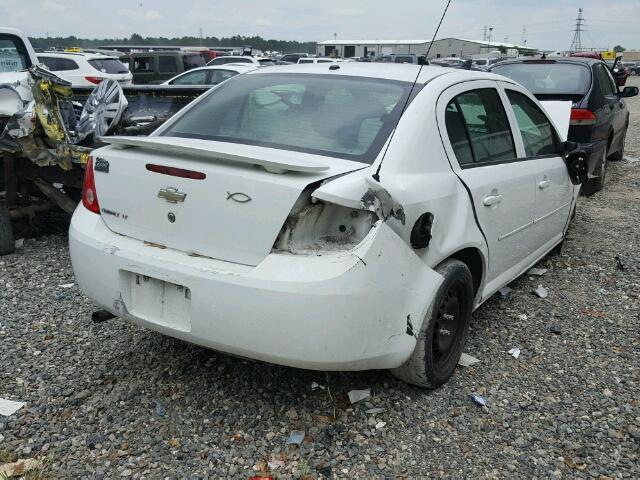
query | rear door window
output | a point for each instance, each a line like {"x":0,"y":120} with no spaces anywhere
{"x":167,"y":64}
{"x":219,"y":76}
{"x":606,"y":84}
{"x":486,"y":127}
{"x":143,"y":64}
{"x":538,"y":135}
{"x":192,"y":78}
{"x":547,"y":77}
{"x":56,"y":64}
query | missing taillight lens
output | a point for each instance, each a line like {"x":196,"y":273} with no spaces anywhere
{"x":89,"y":194}
{"x":324,"y":227}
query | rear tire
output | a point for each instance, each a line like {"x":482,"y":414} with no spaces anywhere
{"x":7,"y":241}
{"x":444,"y":330}
{"x":596,"y":184}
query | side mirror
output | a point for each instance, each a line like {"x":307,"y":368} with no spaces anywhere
{"x":576,"y":162}
{"x":568,"y":147}
{"x":629,"y":92}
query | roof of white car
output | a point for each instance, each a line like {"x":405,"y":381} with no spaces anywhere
{"x":388,"y":71}
{"x":238,"y":67}
{"x":86,"y":55}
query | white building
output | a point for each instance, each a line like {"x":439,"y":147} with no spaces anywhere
{"x":442,"y":48}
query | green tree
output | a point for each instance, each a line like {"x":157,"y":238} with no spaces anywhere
{"x":619,"y":49}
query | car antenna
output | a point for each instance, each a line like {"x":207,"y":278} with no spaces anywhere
{"x":376,"y":176}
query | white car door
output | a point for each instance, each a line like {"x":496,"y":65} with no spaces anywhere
{"x":543,"y":149}
{"x":483,"y":154}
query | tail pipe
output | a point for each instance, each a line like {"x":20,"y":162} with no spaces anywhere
{"x":101,"y":316}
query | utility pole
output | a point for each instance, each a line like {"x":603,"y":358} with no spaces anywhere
{"x":523,"y":40}
{"x":200,"y":33}
{"x":484,"y":35}
{"x":576,"y":43}
{"x":490,"y":32}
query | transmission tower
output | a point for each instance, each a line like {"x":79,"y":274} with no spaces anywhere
{"x":576,"y":43}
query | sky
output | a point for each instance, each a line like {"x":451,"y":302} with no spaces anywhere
{"x":548,"y":23}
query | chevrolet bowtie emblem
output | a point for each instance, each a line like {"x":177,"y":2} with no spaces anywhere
{"x":172,"y":195}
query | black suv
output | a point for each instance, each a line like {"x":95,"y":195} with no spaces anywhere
{"x":599,"y":116}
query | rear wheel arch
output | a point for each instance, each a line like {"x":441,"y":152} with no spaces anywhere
{"x":474,"y":260}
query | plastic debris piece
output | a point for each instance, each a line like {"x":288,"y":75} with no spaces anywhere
{"x":19,"y":243}
{"x":538,"y":272}
{"x":620,"y":264}
{"x":505,"y":293}
{"x":467,"y":360}
{"x":541,"y":292}
{"x":479,"y":400}
{"x":514,"y":352}
{"x":316,"y":385}
{"x":602,"y":291}
{"x":380,"y":425}
{"x":9,"y":407}
{"x":375,"y":411}
{"x":296,"y":437}
{"x":523,"y":317}
{"x":555,"y":329}
{"x":66,"y":285}
{"x":356,"y":396}
{"x":159,"y":409}
{"x":275,"y":464}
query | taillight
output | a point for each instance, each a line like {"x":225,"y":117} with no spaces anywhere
{"x":582,"y":116}
{"x":89,"y":195}
{"x":94,"y":80}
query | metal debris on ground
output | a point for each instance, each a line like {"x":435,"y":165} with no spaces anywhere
{"x":523,"y":317}
{"x":275,"y":464}
{"x":356,"y":396}
{"x":66,"y":285}
{"x":555,"y":329}
{"x":380,"y":425}
{"x":19,"y":243}
{"x":505,"y":293}
{"x":467,"y":360}
{"x":538,"y":272}
{"x":541,"y":292}
{"x":9,"y":407}
{"x":514,"y":352}
{"x":619,"y":263}
{"x":316,"y":385}
{"x":479,"y":400}
{"x":375,"y":411}
{"x":295,"y":438}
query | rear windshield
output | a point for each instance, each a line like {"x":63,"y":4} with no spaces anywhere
{"x":109,"y":65}
{"x":548,"y":78}
{"x":338,"y":116}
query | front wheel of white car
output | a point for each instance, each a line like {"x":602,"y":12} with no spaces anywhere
{"x":444,"y":330}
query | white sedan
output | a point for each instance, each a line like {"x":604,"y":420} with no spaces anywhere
{"x":210,"y":75}
{"x":333,"y":219}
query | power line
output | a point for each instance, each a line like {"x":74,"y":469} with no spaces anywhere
{"x":576,"y":43}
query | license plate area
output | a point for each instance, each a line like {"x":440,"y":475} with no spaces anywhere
{"x":163,"y":303}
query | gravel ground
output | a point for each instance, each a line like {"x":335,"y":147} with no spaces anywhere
{"x":114,"y":400}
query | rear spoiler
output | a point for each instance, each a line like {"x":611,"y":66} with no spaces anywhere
{"x":273,"y":160}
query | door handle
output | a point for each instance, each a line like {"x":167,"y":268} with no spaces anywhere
{"x":492,"y":200}
{"x":544,"y":184}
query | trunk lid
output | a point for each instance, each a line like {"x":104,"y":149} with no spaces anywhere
{"x":234,"y":214}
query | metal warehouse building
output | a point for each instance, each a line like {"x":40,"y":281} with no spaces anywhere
{"x":442,"y":48}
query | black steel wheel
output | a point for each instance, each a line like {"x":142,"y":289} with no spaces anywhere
{"x":444,"y":330}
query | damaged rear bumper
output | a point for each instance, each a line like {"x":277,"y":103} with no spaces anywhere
{"x":354,"y":310}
